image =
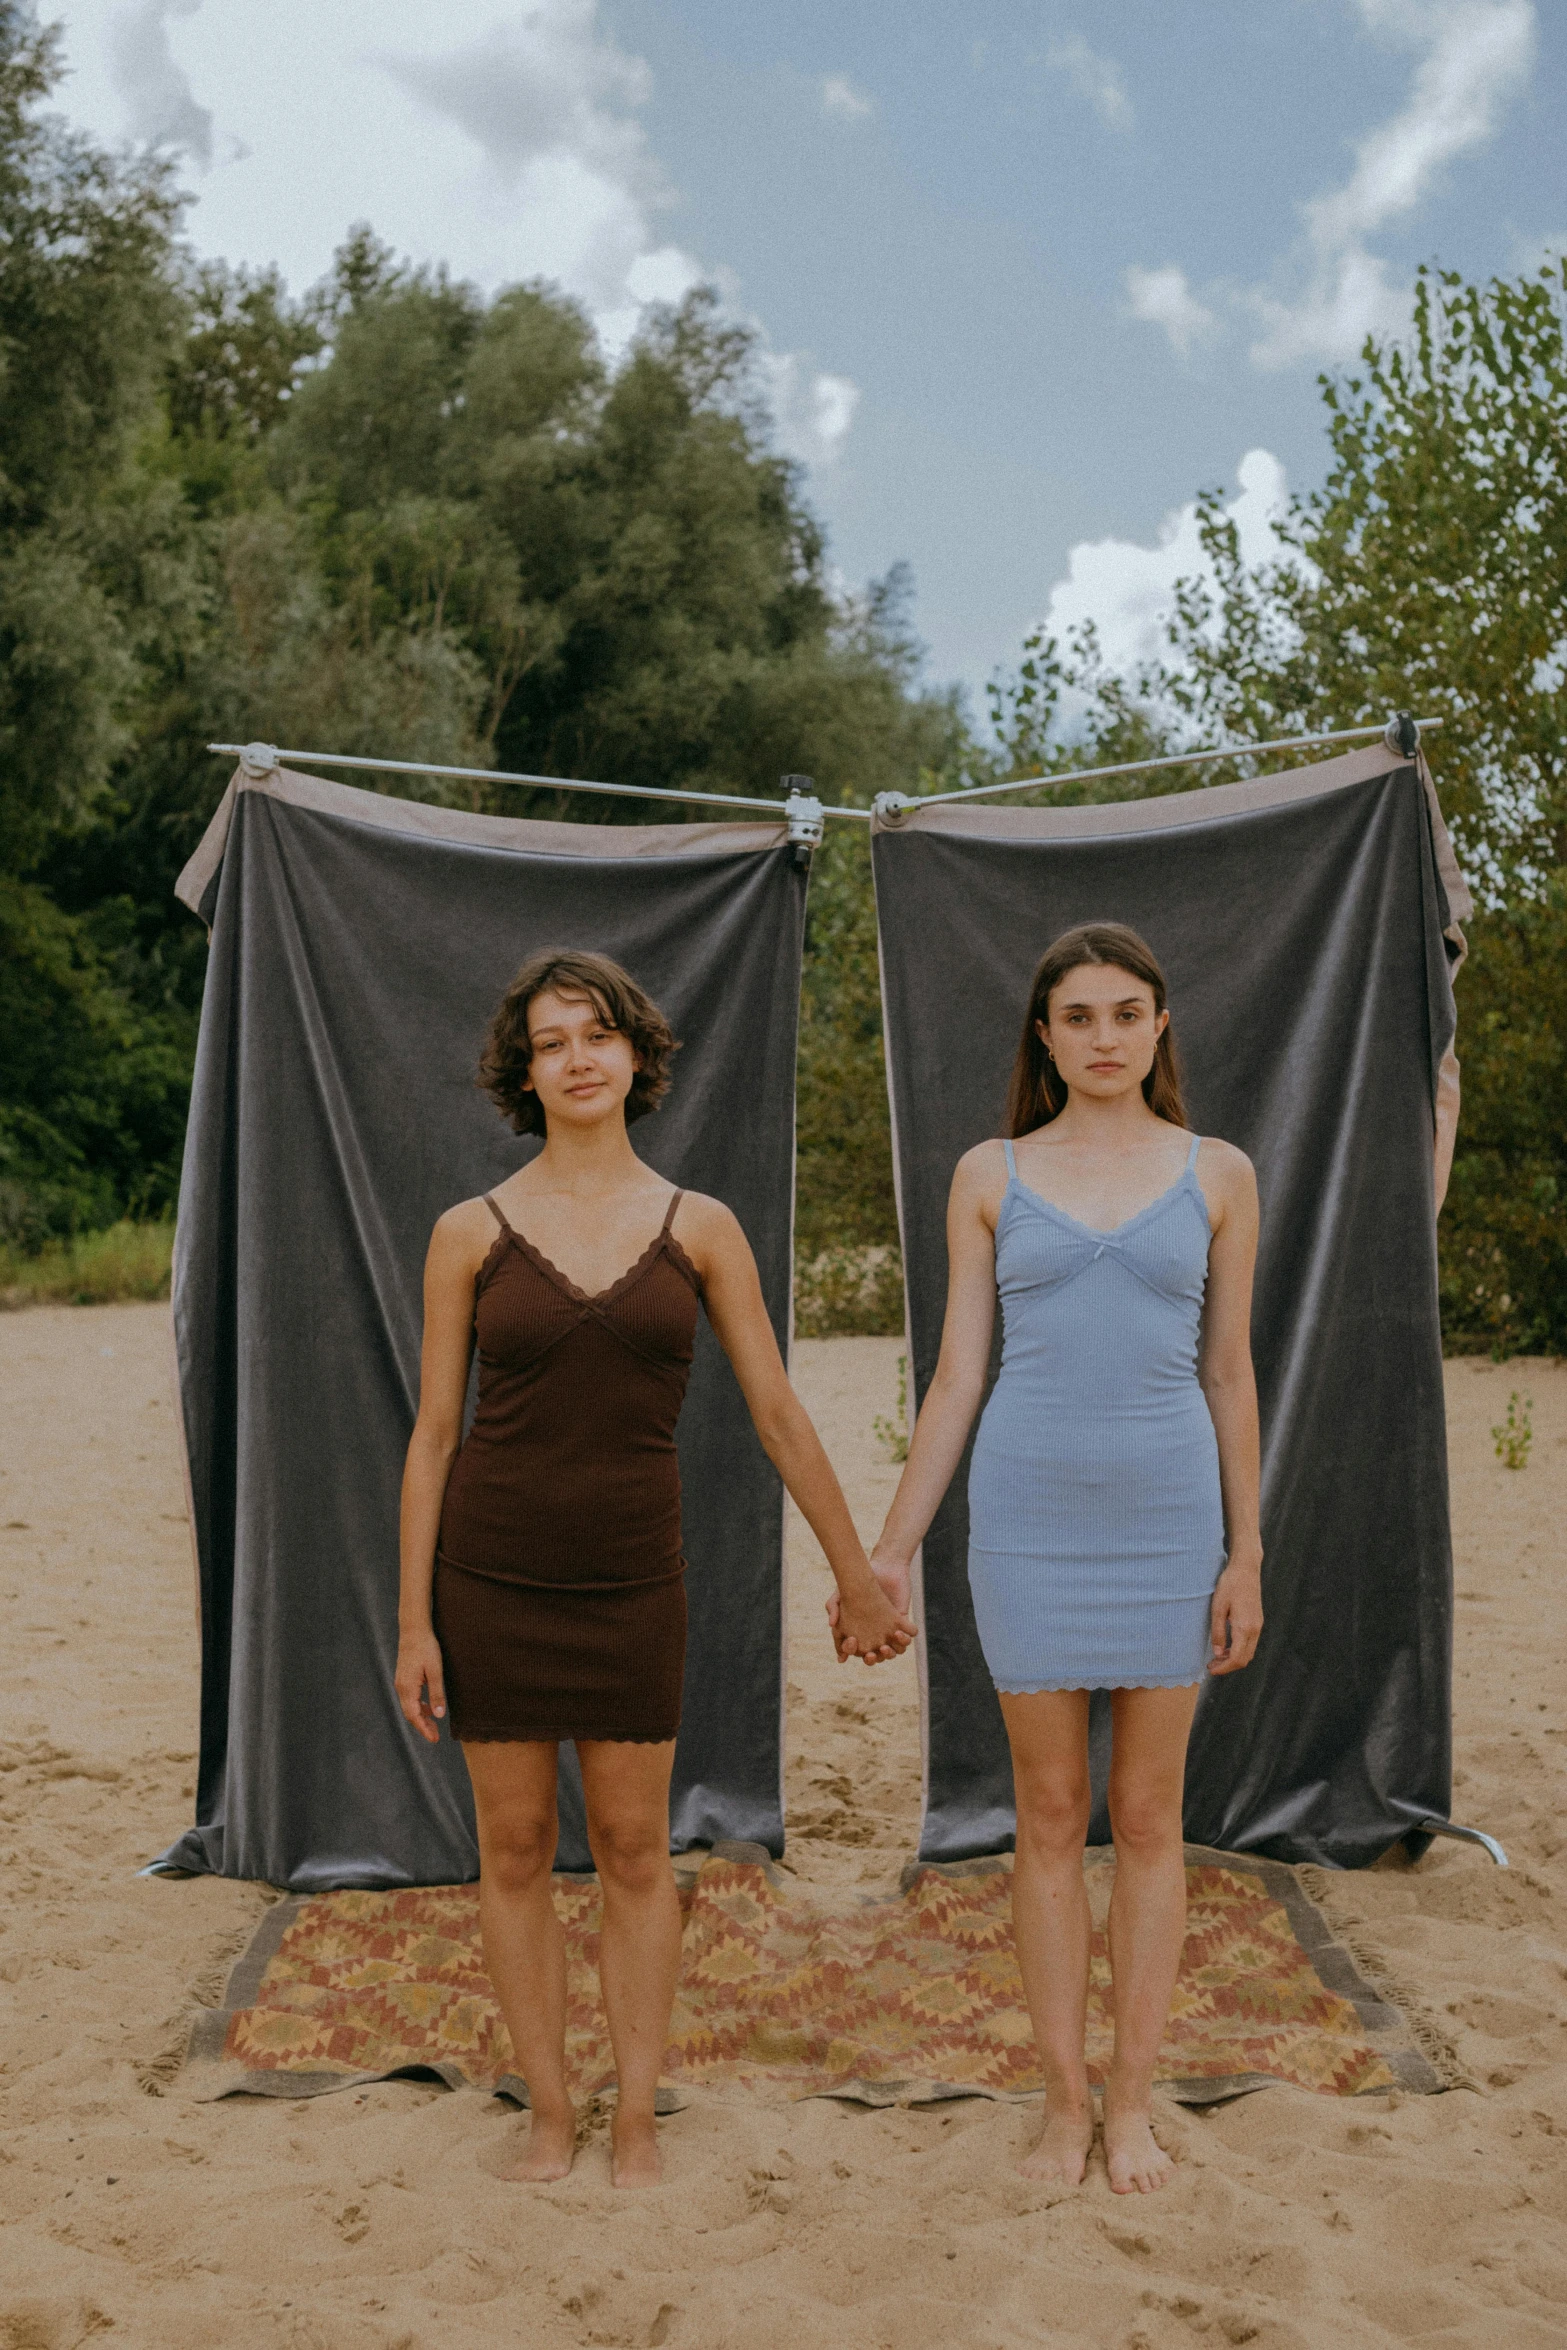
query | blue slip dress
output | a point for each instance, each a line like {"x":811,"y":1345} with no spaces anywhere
{"x":1096,"y":1528}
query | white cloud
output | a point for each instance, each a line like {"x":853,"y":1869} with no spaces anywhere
{"x":1128,"y":591}
{"x":1097,"y":78}
{"x":1477,"y":52}
{"x":547,"y":81}
{"x":551,"y":102}
{"x":840,"y":97}
{"x":814,"y":412}
{"x":1163,"y":298}
{"x":160,"y":105}
{"x":1533,"y":251}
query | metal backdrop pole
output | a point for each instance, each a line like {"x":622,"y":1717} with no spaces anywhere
{"x":803,"y":811}
{"x":1397,"y":732}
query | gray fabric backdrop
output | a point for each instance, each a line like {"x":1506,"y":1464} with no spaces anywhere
{"x":359,"y":945}
{"x":1306,"y":925}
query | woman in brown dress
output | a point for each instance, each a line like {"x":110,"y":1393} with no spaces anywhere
{"x":542,"y":1579}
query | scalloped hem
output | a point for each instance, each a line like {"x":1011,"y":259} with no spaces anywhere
{"x":509,"y":1737}
{"x":1153,"y":1681}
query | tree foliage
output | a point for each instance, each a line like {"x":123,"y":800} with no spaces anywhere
{"x":390,"y":517}
{"x":90,"y":1095}
{"x":1429,"y":572}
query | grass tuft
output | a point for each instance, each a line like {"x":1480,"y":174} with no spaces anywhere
{"x":849,"y":1292}
{"x":95,"y":1269}
{"x":844,"y":1290}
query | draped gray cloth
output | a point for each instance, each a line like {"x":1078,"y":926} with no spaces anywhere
{"x":359,"y":946}
{"x":1307,"y":925}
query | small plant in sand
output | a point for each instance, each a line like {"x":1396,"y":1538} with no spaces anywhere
{"x":893,"y":1435}
{"x":1514,"y":1435}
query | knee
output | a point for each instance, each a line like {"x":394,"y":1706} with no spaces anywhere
{"x":1052,"y":1815}
{"x":630,"y":1851}
{"x":1145,"y":1820}
{"x":516,"y":1852}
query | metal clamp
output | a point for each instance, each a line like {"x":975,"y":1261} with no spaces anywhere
{"x":804,"y":815}
{"x":890,"y":805}
{"x":258,"y":759}
{"x":1401,"y":733}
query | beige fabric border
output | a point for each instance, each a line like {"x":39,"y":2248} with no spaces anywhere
{"x":523,"y":834}
{"x":1203,"y":806}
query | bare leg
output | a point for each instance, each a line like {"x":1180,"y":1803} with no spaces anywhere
{"x":1050,"y":1915}
{"x":1147,"y":1918}
{"x":524,"y":1947}
{"x":627,"y":1791}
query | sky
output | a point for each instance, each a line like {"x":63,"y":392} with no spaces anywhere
{"x":1026,"y":276}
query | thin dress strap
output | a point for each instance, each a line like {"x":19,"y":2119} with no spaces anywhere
{"x":490,"y":1203}
{"x":1011,"y":1161}
{"x":1191,"y":1158}
{"x":669,"y":1213}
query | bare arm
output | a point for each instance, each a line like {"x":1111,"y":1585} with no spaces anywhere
{"x":1229,"y":1383}
{"x":947,"y":1414}
{"x":455,"y":1255}
{"x":872,"y":1626}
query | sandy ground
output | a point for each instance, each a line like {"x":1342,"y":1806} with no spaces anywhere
{"x":133,"y":2212}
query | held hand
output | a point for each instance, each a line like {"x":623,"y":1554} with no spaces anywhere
{"x":875,"y":1632}
{"x":895,"y":1578}
{"x":870,"y":1626}
{"x":1237,"y":1614}
{"x":421,"y":1682}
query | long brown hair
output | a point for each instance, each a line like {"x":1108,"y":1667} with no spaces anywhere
{"x":619,"y":1003}
{"x":1037,"y":1092}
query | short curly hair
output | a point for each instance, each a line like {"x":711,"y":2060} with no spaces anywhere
{"x":619,"y":1002}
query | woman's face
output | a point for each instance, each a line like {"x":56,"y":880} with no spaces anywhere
{"x":1103,"y":1030}
{"x":581,"y":1067}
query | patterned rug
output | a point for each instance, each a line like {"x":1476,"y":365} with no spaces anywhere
{"x":805,"y":1992}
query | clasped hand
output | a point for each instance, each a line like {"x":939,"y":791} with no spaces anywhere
{"x":874,"y":1625}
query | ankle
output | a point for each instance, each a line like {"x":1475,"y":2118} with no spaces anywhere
{"x":1066,"y":2099}
{"x":1079,"y":2119}
{"x":552,"y":2113}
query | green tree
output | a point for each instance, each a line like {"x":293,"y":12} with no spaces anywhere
{"x":85,"y":313}
{"x":389,"y":517}
{"x":1429,"y":572}
{"x":92,"y":562}
{"x":641,"y":585}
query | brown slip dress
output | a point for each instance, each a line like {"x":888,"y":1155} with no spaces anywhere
{"x":560,"y":1599}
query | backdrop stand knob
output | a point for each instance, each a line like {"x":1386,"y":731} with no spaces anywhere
{"x":258,"y":759}
{"x":1402,"y":734}
{"x":803,"y":814}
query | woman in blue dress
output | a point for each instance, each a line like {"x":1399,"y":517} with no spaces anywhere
{"x":1113,"y":1494}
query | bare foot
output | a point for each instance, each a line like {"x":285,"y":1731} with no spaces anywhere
{"x":549,"y":2149}
{"x":1137,"y":2163}
{"x":1063,"y":2148}
{"x":633,"y":2153}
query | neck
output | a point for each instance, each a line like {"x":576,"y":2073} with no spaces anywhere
{"x":588,"y":1159}
{"x":1107,"y":1125}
